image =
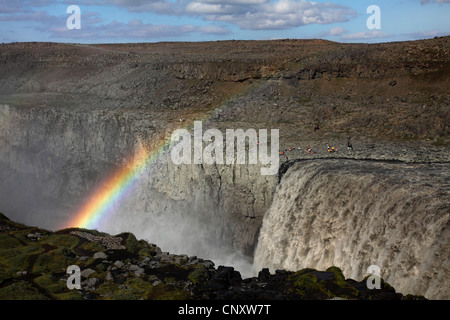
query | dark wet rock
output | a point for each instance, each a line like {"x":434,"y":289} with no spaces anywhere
{"x":263,"y":274}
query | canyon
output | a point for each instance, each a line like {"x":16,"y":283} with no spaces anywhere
{"x":71,"y":115}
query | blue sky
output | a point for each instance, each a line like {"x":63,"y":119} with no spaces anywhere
{"x":106,"y":21}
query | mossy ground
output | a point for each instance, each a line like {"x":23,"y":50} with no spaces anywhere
{"x":35,"y":267}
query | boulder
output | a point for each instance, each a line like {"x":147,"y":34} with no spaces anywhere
{"x":100,"y":255}
{"x":86,"y":273}
{"x":109,"y":276}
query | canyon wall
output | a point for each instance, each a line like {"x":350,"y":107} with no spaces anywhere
{"x":53,"y":160}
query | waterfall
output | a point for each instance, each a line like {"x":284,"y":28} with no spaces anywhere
{"x":353,"y":214}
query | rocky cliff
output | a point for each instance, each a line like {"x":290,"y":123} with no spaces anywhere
{"x":57,"y":158}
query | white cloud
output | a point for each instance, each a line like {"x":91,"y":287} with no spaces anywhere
{"x":337,"y":31}
{"x":427,"y":34}
{"x":93,"y":27}
{"x":284,"y":14}
{"x":333,"y":32}
{"x":434,"y":1}
{"x":23,"y":6}
{"x":47,"y":20}
{"x":135,"y":29}
{"x":366,"y":35}
{"x":247,"y":14}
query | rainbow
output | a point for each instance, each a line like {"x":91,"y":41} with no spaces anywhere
{"x":115,"y":187}
{"x":99,"y":204}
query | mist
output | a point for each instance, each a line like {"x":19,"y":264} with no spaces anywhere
{"x":181,"y":233}
{"x":30,"y":200}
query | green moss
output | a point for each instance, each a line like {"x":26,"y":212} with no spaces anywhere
{"x":84,"y":263}
{"x":307,"y":286}
{"x":21,"y":290}
{"x":8,"y":242}
{"x":131,"y":242}
{"x":101,"y":267}
{"x":62,"y":240}
{"x":165,"y":292}
{"x":53,"y":261}
{"x":19,"y":235}
{"x":44,"y":280}
{"x":169,"y":280}
{"x":19,"y":258}
{"x":92,"y":246}
{"x":107,"y":288}
{"x":133,"y":289}
{"x":8,"y":253}
{"x":122,"y":295}
{"x":344,"y":290}
{"x":51,"y":284}
{"x":199,"y":275}
{"x":72,"y":295}
{"x":138,"y":288}
{"x":146,"y":252}
{"x":340,"y":279}
{"x":5,"y":273}
{"x":98,"y":274}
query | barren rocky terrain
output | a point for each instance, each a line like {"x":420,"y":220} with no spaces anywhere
{"x":391,"y":91}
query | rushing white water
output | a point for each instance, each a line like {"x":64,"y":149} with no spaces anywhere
{"x":353,"y":214}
